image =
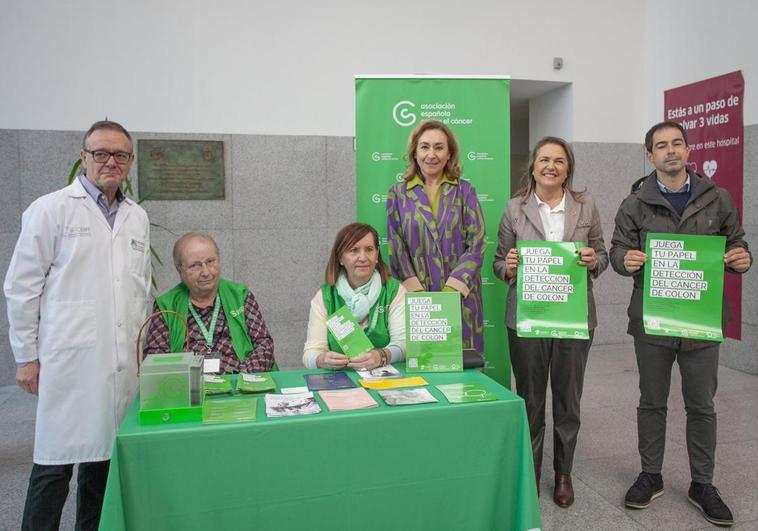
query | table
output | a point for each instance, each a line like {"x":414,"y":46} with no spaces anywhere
{"x":428,"y":466}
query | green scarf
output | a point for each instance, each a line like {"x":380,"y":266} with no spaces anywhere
{"x":378,"y":316}
{"x":232,"y":296}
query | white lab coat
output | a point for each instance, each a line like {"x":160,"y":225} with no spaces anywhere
{"x":77,"y":293}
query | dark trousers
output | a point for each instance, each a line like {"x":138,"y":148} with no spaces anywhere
{"x":48,"y":489}
{"x":563,"y":361}
{"x":699,"y":370}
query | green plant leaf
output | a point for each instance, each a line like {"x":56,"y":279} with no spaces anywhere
{"x":74,"y":169}
{"x":154,"y":253}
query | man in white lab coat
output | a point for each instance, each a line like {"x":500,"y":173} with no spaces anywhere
{"x":77,"y":291}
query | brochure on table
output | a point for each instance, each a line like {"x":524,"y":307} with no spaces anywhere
{"x":347,"y":399}
{"x":291,"y":404}
{"x":405,"y":397}
{"x":328,"y":380}
{"x":461,"y":393}
{"x":257,"y":382}
{"x":238,"y":409}
{"x":411,"y":381}
{"x":433,"y":335}
{"x":218,"y":384}
{"x":379,"y":373}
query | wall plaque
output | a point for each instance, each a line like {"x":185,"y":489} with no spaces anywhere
{"x":181,"y":169}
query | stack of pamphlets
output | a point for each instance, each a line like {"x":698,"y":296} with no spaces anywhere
{"x":459,"y":393}
{"x":291,"y":404}
{"x":217,"y":384}
{"x":379,"y":373}
{"x":404,"y":397}
{"x":258,"y":382}
{"x":329,"y":380}
{"x":346,"y":399}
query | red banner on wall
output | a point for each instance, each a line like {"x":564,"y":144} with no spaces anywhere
{"x":711,"y":112}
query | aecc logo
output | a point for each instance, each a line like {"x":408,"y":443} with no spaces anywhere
{"x":402,"y":113}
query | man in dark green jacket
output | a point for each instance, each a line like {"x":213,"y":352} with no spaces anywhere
{"x":674,"y":199}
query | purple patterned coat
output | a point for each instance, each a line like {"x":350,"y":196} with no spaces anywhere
{"x":427,"y":256}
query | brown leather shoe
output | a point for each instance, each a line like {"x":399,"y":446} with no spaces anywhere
{"x":563,"y":496}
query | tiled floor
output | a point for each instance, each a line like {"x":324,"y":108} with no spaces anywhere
{"x":606,"y":460}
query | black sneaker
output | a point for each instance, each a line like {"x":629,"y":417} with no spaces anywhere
{"x":647,"y":488}
{"x":706,"y":497}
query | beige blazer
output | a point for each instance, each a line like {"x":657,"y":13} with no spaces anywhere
{"x":522,"y":221}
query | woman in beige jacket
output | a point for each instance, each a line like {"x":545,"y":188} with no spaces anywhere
{"x":547,"y":208}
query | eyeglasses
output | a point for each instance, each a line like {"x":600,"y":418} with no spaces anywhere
{"x":100,"y":156}
{"x":196,"y":267}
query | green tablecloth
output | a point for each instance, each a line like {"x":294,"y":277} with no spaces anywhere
{"x":432,"y":466}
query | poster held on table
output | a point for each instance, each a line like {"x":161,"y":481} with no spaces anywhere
{"x":433,"y":334}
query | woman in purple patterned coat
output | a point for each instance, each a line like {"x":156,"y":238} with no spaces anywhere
{"x":435,"y":226}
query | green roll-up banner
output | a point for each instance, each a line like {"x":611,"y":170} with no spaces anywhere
{"x":477,"y":109}
{"x":683,"y":286}
{"x":551,"y":291}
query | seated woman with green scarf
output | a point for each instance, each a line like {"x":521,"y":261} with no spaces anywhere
{"x":357,"y":277}
{"x":223,"y":316}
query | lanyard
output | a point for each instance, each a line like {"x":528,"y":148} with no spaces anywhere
{"x":207,"y":332}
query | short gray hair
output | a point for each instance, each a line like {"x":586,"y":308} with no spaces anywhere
{"x":109,"y":125}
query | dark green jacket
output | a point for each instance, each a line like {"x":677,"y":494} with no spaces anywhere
{"x":710,"y":211}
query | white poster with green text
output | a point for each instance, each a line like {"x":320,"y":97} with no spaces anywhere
{"x":477,"y":109}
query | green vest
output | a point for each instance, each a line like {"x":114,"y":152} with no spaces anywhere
{"x":232,"y":297}
{"x":377,"y":329}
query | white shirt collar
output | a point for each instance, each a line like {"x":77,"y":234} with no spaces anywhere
{"x":560,"y":207}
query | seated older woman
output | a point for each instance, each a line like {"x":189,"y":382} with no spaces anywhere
{"x":357,"y":276}
{"x":223,"y":316}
